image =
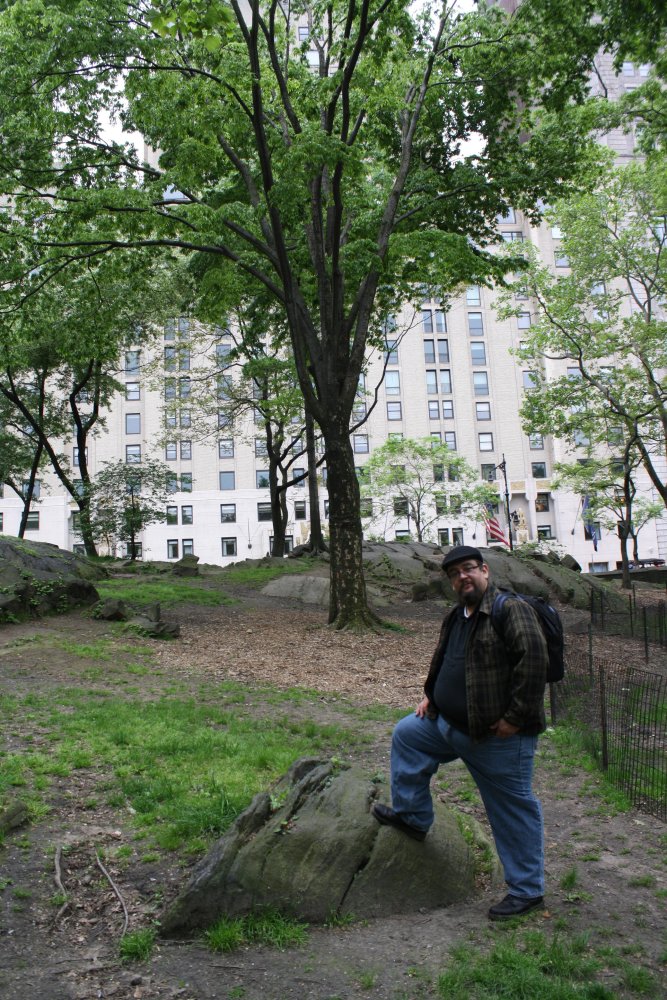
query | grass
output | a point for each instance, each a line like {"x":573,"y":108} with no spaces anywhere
{"x":136,"y":946}
{"x":529,"y":964}
{"x":267,"y":927}
{"x":186,"y":768}
{"x":256,"y":575}
{"x":168,"y":593}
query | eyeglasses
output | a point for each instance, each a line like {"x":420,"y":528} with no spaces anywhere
{"x":456,"y":571}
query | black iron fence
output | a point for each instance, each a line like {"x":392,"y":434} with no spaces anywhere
{"x":630,"y":617}
{"x":621,"y":710}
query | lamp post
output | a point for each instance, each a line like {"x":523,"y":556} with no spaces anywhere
{"x":503,"y":468}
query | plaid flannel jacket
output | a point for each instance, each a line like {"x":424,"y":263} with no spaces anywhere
{"x":505,"y":677}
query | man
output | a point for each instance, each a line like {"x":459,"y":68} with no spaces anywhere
{"x":484,"y":704}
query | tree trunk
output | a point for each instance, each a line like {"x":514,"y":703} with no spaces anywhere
{"x":348,"y":605}
{"x":27,"y":499}
{"x":278,"y":514}
{"x":316,"y":541}
{"x":623,"y":532}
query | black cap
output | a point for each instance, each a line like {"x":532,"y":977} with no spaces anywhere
{"x":459,"y":553}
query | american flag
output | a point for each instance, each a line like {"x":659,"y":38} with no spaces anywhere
{"x":495,"y":531}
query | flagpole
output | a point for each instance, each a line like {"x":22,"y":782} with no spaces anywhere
{"x":503,"y":468}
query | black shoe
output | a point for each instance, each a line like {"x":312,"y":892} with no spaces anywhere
{"x":515,"y":906}
{"x":387,"y":816}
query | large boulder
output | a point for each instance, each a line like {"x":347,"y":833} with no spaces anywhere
{"x":38,"y":579}
{"x":312,"y":849}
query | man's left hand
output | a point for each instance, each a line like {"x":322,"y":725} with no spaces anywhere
{"x":503,"y":729}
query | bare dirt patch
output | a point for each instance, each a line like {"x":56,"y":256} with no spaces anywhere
{"x":606,"y":873}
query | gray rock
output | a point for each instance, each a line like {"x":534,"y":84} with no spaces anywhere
{"x":187,"y":566}
{"x":37,"y":579}
{"x":112,"y":610}
{"x":569,"y":562}
{"x":312,"y":849}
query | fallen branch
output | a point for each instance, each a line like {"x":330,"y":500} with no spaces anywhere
{"x":116,"y":891}
{"x":59,"y":885}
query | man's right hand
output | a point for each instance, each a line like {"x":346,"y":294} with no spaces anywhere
{"x":423,"y":708}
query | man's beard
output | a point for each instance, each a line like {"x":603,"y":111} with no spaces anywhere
{"x":472,"y":596}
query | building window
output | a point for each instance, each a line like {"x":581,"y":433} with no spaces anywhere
{"x":523,"y":320}
{"x":32,"y":524}
{"x":483,"y":411}
{"x":172,"y":483}
{"x":172,"y":514}
{"x":262,"y":479}
{"x":188,"y":547}
{"x":473,"y":295}
{"x":172,"y":548}
{"x":445,"y":381}
{"x":432,"y":383}
{"x":366,"y":507}
{"x":133,"y":423}
{"x":184,"y":386}
{"x":427,"y":320}
{"x":529,"y":380}
{"x":507,"y":218}
{"x":394,"y":411}
{"x":545,"y":532}
{"x":447,"y":409}
{"x":592,"y":531}
{"x":475,"y":324}
{"x":170,"y":451}
{"x":443,"y":352}
{"x":433,"y":409}
{"x":542,"y":503}
{"x":598,"y":567}
{"x":488,"y":472}
{"x":450,"y":440}
{"x":512,"y":236}
{"x":300,"y":475}
{"x":429,"y":352}
{"x":300,"y":510}
{"x":539,"y":470}
{"x":261,"y":450}
{"x":400,"y":507}
{"x":440,"y":321}
{"x":132,"y":391}
{"x":170,"y":359}
{"x":392,"y":383}
{"x":186,"y":450}
{"x":457,"y":536}
{"x":227,"y":481}
{"x":443,"y":537}
{"x":75,"y":462}
{"x":485,"y":441}
{"x":226,"y":448}
{"x":132,"y":362}
{"x":186,"y":482}
{"x":228,"y":513}
{"x":480,"y":381}
{"x":326,"y":509}
{"x":187,"y":514}
{"x":391,"y":352}
{"x":561,"y":259}
{"x":360,"y":442}
{"x":264,"y":512}
{"x":133,"y":454}
{"x":184,"y":418}
{"x":478,"y":353}
{"x":228,"y":546}
{"x":535,"y":442}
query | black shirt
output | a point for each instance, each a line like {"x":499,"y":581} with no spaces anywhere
{"x":450,"y":684}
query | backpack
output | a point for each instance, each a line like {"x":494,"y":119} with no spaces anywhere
{"x":550,"y":623}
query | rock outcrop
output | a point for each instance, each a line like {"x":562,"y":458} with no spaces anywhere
{"x":38,"y":579}
{"x":311,"y":849}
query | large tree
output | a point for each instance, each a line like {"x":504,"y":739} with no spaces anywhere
{"x":317,"y":148}
{"x":597,"y":346}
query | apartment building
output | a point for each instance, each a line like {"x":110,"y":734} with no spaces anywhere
{"x":449,"y":374}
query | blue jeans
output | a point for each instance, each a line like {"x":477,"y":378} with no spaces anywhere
{"x":502,"y":770}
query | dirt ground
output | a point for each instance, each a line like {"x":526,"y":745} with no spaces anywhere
{"x":72,"y":954}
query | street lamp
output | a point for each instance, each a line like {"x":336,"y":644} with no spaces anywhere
{"x":492,"y":475}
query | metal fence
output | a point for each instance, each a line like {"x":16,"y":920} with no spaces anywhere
{"x":640,"y":620}
{"x":621,"y":711}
